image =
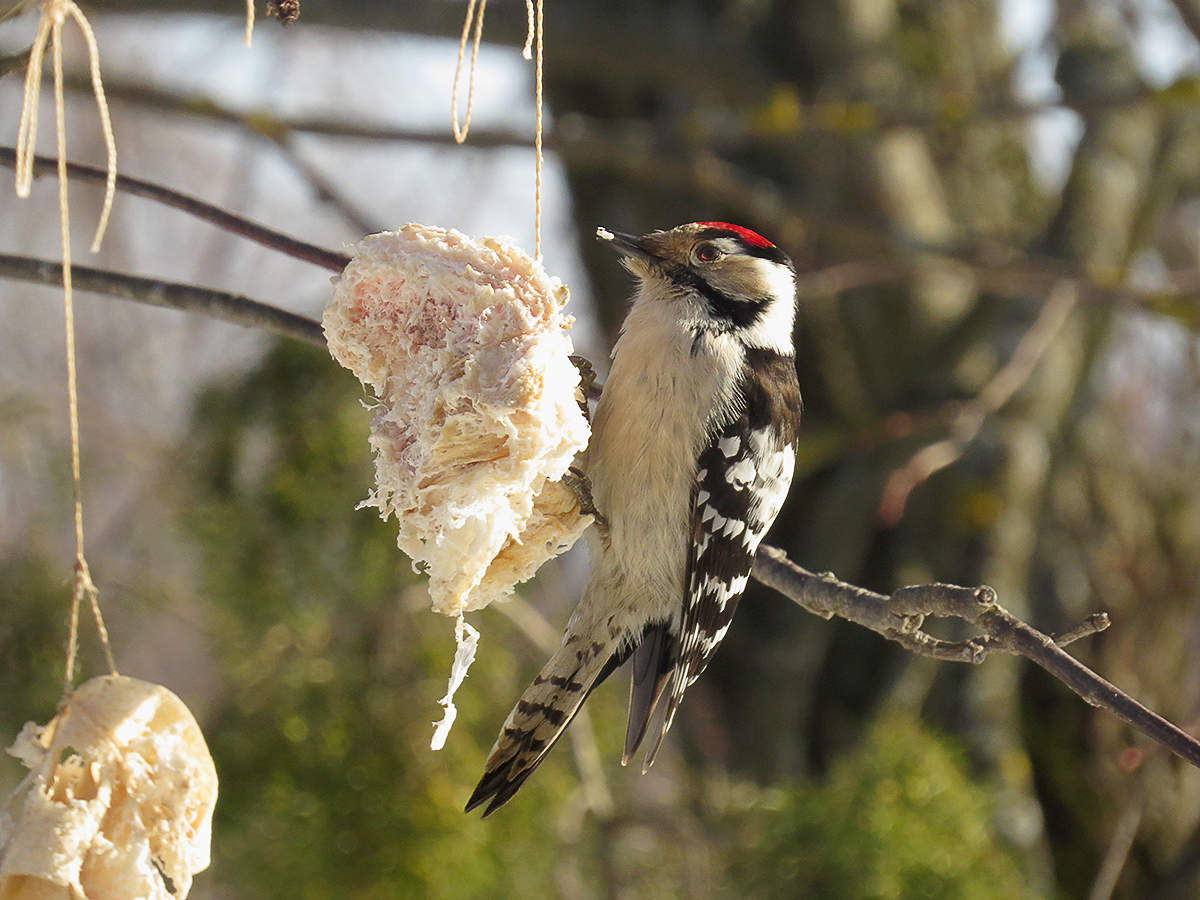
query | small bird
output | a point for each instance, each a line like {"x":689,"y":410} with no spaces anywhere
{"x":690,"y":459}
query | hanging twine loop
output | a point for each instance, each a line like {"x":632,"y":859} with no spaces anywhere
{"x":50,"y":25}
{"x":531,"y":50}
{"x":54,"y":14}
{"x":476,"y":16}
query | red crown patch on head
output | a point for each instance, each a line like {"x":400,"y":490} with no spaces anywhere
{"x":753,"y":238}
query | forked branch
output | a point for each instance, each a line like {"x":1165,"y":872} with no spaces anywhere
{"x":901,"y":618}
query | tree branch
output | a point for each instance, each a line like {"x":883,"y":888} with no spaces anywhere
{"x":324,"y":189}
{"x":232,"y":308}
{"x":639,"y":153}
{"x":729,"y":131}
{"x":901,"y":617}
{"x":275,"y":240}
{"x":1189,"y":14}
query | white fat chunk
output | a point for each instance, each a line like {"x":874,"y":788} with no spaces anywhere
{"x":119,"y":799}
{"x":465,"y":345}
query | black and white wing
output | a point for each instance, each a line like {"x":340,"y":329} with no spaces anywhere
{"x":742,"y":479}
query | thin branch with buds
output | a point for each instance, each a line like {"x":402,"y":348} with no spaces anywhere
{"x":1001,"y":270}
{"x":641,"y":154}
{"x":729,"y":133}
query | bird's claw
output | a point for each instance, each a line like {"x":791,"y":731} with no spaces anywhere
{"x":587,"y":382}
{"x":581,"y":486}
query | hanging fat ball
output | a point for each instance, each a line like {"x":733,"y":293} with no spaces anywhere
{"x":464,"y":343}
{"x":479,"y":412}
{"x":120,"y":798}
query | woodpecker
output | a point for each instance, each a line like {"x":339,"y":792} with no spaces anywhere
{"x":690,"y":459}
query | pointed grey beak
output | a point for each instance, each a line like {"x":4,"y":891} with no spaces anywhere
{"x":626,"y":244}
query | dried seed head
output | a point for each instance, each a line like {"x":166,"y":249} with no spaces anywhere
{"x":287,"y":11}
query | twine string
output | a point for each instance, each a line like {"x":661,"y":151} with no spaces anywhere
{"x":54,"y":13}
{"x":537,"y":141}
{"x":27,"y":129}
{"x":531,"y":50}
{"x":82,"y":584}
{"x":460,"y":133}
{"x":110,"y":142}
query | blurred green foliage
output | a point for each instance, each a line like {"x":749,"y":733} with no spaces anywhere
{"x":899,"y":818}
{"x":32,"y":644}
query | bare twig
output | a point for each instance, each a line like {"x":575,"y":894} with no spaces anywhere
{"x":846,"y":276}
{"x":971,"y":415}
{"x":232,"y":308}
{"x":1117,"y":853}
{"x":326,"y":191}
{"x":1134,"y":757}
{"x":13,"y":9}
{"x":16,"y":61}
{"x":731,"y":130}
{"x":901,"y":616}
{"x":1189,"y":14}
{"x":639,"y":152}
{"x":1014,"y":273}
{"x":43,"y":165}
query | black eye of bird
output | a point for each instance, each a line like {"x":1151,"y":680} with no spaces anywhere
{"x":707,"y":252}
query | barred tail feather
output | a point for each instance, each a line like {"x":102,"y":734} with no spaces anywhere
{"x":540,"y":718}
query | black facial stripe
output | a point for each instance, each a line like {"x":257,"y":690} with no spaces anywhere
{"x":729,"y":312}
{"x":738,"y":313}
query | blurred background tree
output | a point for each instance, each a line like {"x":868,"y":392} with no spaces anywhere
{"x":938,"y":169}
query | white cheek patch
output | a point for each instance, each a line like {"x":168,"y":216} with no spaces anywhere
{"x":773,"y":330}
